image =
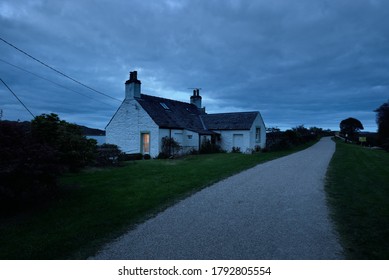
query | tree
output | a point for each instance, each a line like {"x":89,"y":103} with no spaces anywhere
{"x":350,"y":128}
{"x":382,"y":120}
{"x":75,"y":151}
{"x":33,"y":155}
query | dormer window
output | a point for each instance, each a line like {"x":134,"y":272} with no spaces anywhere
{"x":164,"y":106}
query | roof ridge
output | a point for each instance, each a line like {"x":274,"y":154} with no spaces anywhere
{"x":230,"y":113}
{"x":163,"y":98}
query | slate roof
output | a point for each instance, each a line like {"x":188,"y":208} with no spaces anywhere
{"x":167,"y":113}
{"x":230,"y":121}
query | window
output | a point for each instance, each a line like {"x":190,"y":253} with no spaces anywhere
{"x":145,"y":143}
{"x":164,"y":106}
{"x":257,"y":134}
{"x":190,"y":136}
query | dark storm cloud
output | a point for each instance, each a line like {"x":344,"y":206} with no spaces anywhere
{"x":298,"y":62}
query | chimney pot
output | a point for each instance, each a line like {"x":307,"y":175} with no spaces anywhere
{"x":133,"y":76}
{"x":132,"y":86}
{"x":195,"y":99}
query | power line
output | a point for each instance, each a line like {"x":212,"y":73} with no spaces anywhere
{"x":57,"y":84}
{"x":57,"y":71}
{"x":17,"y":97}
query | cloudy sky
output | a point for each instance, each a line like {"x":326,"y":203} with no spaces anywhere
{"x":310,"y":62}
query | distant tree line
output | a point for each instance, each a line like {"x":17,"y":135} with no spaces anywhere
{"x":279,"y":140}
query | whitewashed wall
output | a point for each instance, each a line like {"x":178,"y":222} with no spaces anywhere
{"x":127,"y":125}
{"x":163,"y":132}
{"x":258,"y":122}
{"x":187,"y":139}
{"x":227,"y":138}
{"x":248,"y":142}
{"x":191,"y":141}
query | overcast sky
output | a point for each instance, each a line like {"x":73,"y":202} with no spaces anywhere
{"x":310,"y":62}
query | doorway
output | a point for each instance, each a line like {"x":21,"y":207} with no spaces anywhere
{"x":145,"y":143}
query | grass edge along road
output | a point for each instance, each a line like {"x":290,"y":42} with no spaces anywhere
{"x":357,"y":190}
{"x":99,"y":205}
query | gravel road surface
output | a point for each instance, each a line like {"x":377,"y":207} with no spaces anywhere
{"x":276,"y":210}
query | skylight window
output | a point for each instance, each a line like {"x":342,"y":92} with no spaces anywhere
{"x":164,"y":106}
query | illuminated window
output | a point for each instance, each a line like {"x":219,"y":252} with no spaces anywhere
{"x":145,"y":144}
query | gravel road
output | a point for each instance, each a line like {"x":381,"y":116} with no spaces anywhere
{"x":276,"y":210}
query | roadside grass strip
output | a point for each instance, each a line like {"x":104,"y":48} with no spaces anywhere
{"x":358,"y":194}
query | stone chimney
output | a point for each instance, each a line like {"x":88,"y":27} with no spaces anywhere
{"x":132,"y":86}
{"x":195,"y":99}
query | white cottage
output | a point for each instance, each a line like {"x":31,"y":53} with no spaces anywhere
{"x":141,"y":122}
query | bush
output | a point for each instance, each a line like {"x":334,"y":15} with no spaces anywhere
{"x":74,"y":150}
{"x":169,"y":148}
{"x":235,"y":150}
{"x":146,"y":156}
{"x":28,"y":168}
{"x":277,"y":140}
{"x":207,"y":147}
{"x":34,"y":154}
{"x":385,"y":146}
{"x":163,"y":156}
{"x":130,"y":157}
{"x":193,"y":151}
{"x":108,"y":154}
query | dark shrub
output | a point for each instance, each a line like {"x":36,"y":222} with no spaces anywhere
{"x":169,"y":148}
{"x":108,"y":154}
{"x":236,"y":150}
{"x":162,"y":156}
{"x":130,"y":157}
{"x":385,"y":146}
{"x":74,"y":150}
{"x":207,"y":147}
{"x":193,"y":151}
{"x":146,"y":156}
{"x":292,"y":137}
{"x":32,"y":156}
{"x":277,"y":140}
{"x":28,"y":168}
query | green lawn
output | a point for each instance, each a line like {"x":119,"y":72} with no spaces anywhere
{"x":98,"y":205}
{"x":358,"y":192}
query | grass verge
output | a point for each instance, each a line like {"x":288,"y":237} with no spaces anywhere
{"x":358,"y":193}
{"x":98,"y":205}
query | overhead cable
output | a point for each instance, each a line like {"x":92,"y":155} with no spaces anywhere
{"x":57,"y":71}
{"x":17,"y":97}
{"x":55,"y":83}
